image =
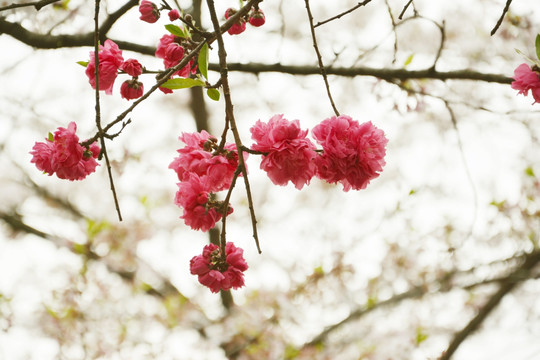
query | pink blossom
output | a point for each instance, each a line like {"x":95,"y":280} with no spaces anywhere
{"x":174,"y":15}
{"x":198,"y":157}
{"x":256,"y":17}
{"x":353,"y":153}
{"x":525,"y":79}
{"x":219,"y":273}
{"x":110,"y":60}
{"x":194,"y":197}
{"x":238,"y":27}
{"x":172,"y":52}
{"x":289,"y":154}
{"x":131,"y":89}
{"x":132,"y":67}
{"x":65,"y":156}
{"x":149,"y":11}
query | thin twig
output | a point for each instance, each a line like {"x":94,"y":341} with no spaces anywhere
{"x":499,"y":22}
{"x":404,"y":9}
{"x":343,"y":13}
{"x":441,"y":45}
{"x":224,"y":212}
{"x":229,"y":114}
{"x":37,"y":4}
{"x":98,"y":111}
{"x":319,"y":57}
{"x":394,"y":25}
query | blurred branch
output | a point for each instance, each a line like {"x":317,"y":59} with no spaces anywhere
{"x":37,"y":4}
{"x":499,"y":22}
{"x":15,"y":222}
{"x":522,"y":273}
{"x":444,"y":284}
{"x":404,"y":9}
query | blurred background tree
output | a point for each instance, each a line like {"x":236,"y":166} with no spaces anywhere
{"x":437,"y":258}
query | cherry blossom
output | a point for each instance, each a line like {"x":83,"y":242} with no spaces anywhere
{"x":288,"y":154}
{"x":174,"y":15}
{"x":353,"y":153}
{"x":219,"y":273}
{"x":110,"y":60}
{"x":64,"y":155}
{"x":525,"y":79}
{"x":132,"y":67}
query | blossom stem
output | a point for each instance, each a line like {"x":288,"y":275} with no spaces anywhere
{"x":229,"y":114}
{"x":101,"y":133}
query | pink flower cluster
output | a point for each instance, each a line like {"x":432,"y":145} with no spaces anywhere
{"x":255,"y":18}
{"x":525,"y":79}
{"x":220,"y":271}
{"x":203,"y":171}
{"x":110,"y":62}
{"x":170,"y":49}
{"x":64,"y":155}
{"x":352,"y":153}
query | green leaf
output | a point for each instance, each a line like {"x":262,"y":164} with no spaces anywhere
{"x":203,"y":61}
{"x":182,"y":83}
{"x":421,"y":335}
{"x":51,"y":136}
{"x":537,"y":45}
{"x":529,"y":172}
{"x":213,"y":94}
{"x":408,"y":60}
{"x":175,"y":30}
{"x":83,"y":63}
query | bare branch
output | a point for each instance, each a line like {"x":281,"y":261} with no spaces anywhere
{"x":363,"y":3}
{"x":499,"y":22}
{"x":319,"y":57}
{"x":37,"y":4}
{"x":381,"y":73}
{"x":404,"y":9}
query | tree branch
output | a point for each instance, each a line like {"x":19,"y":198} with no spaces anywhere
{"x":37,"y":4}
{"x":520,"y":274}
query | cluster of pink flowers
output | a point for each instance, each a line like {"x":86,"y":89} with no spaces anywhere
{"x":171,"y":50}
{"x":110,"y":62}
{"x":352,"y":153}
{"x":255,"y":18}
{"x":527,"y":78}
{"x":220,"y":271}
{"x":62,"y":154}
{"x":203,"y":170}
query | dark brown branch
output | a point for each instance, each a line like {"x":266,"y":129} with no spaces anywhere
{"x":404,"y":9}
{"x":45,"y":41}
{"x":507,"y":284}
{"x":385,"y":74}
{"x":319,"y":58}
{"x":363,"y":3}
{"x":36,"y":4}
{"x":499,"y":22}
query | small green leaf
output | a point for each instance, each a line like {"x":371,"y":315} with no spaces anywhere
{"x":51,"y":136}
{"x":203,"y":61}
{"x":537,"y":45}
{"x":182,"y":83}
{"x":421,"y":335}
{"x":408,"y":60}
{"x":213,"y":94}
{"x":529,"y":172}
{"x":175,"y":30}
{"x":83,"y":63}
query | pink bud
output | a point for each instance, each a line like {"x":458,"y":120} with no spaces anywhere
{"x":256,"y":18}
{"x":149,"y":11}
{"x":174,"y":15}
{"x":131,"y":89}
